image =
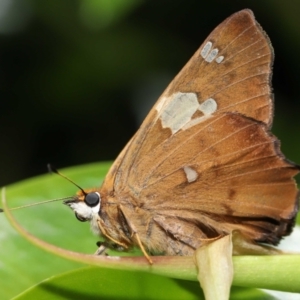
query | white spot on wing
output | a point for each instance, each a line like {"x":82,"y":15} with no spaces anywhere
{"x":208,"y":107}
{"x":219,"y":59}
{"x":212,"y":55}
{"x":179,"y":110}
{"x":191,"y":174}
{"x":161,"y":103}
{"x":176,"y":111}
{"x":206,"y":49}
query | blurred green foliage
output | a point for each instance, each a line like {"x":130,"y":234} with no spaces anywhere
{"x":77,"y":77}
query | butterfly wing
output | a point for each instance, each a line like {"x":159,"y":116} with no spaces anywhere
{"x":233,"y":66}
{"x":203,"y":157}
{"x":229,"y":169}
{"x":240,"y":82}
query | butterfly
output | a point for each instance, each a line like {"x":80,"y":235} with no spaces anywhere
{"x":203,"y":163}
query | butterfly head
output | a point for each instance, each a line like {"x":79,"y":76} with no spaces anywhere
{"x":86,"y":205}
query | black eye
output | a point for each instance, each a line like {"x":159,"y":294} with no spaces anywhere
{"x":92,"y":199}
{"x":80,"y":218}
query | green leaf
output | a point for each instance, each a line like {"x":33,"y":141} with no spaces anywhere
{"x":95,"y":283}
{"x":23,"y":265}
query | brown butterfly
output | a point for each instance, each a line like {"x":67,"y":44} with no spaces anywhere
{"x":203,"y":163}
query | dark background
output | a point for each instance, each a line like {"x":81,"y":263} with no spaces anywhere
{"x":77,"y":77}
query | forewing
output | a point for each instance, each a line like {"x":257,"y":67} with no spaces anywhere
{"x":230,"y":72}
{"x":233,"y":66}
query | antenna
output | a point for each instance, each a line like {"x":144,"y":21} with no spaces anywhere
{"x":36,"y":203}
{"x":53,"y":170}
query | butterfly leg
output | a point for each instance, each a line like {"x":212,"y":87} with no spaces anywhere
{"x":104,"y":232}
{"x":101,"y":248}
{"x":134,"y":233}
